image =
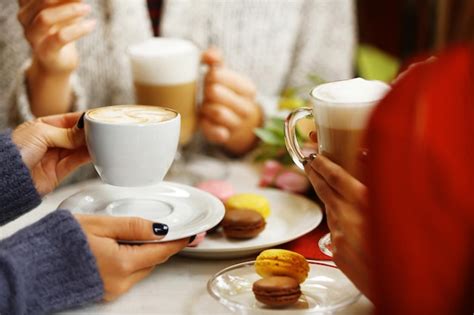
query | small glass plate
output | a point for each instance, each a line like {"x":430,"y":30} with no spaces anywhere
{"x":325,"y":290}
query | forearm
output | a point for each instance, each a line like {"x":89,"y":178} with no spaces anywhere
{"x":48,"y":93}
{"x":17,"y":191}
{"x":48,"y":267}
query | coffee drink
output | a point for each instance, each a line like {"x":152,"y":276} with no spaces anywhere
{"x":340,"y":110}
{"x":130,"y":114}
{"x":165,"y":72}
{"x":132,"y":145}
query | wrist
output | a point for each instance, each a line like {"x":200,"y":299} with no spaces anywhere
{"x":38,"y":69}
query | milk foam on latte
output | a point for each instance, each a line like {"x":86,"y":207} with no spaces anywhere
{"x":164,"y":61}
{"x":130,"y":114}
{"x":347,"y":104}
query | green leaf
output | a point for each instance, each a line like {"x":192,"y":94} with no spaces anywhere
{"x":269,"y":137}
{"x":374,"y":64}
{"x":289,"y":92}
{"x":276,"y":125}
{"x":290,"y":103}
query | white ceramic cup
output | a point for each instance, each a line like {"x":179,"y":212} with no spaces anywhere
{"x":129,"y":153}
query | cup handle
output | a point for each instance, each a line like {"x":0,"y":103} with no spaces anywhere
{"x":290,"y":135}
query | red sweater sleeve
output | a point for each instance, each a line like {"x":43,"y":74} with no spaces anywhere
{"x":421,"y":181}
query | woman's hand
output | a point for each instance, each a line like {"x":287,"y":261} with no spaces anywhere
{"x":51,"y":147}
{"x":121,"y":266}
{"x":344,"y":198}
{"x":51,"y":28}
{"x":229,"y":112}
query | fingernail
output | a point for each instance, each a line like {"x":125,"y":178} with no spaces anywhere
{"x":191,"y":239}
{"x":80,"y":122}
{"x":160,"y":229}
{"x":305,"y":161}
{"x":312,"y":156}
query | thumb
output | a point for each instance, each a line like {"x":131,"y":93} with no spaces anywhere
{"x":212,"y":57}
{"x":133,"y":229}
{"x":64,"y":138}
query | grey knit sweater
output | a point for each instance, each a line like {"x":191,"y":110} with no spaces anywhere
{"x":48,"y":265}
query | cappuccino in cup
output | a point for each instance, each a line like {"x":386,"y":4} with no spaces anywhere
{"x":340,"y":110}
{"x":165,"y":72}
{"x":132,"y":145}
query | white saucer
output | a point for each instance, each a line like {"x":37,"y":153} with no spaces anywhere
{"x":186,"y":210}
{"x":291,"y":217}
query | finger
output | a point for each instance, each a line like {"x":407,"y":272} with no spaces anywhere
{"x":42,"y":23}
{"x":321,"y":187}
{"x":219,"y":94}
{"x":338,"y":179}
{"x":65,"y":36}
{"x":68,"y":120}
{"x":313,"y":136}
{"x":212,"y":57}
{"x":232,"y":80}
{"x":128,"y":228}
{"x":221,"y":115}
{"x":29,"y":10}
{"x":72,"y":161}
{"x":148,"y":255}
{"x":64,"y":138}
{"x":214,"y":133}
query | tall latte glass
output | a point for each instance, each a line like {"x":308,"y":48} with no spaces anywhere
{"x":165,"y":72}
{"x":340,"y":110}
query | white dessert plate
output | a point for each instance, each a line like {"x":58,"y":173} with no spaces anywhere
{"x":291,"y":217}
{"x":186,"y":210}
{"x":325,"y":291}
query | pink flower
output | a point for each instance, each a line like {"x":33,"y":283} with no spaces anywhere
{"x":292,"y":181}
{"x":270,"y":170}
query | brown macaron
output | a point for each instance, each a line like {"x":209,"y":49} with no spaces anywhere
{"x":242,"y":223}
{"x":277,"y":291}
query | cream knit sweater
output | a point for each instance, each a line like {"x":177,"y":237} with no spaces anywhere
{"x":275,"y":42}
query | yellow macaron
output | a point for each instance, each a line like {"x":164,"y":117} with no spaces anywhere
{"x":249,"y":201}
{"x":281,"y":262}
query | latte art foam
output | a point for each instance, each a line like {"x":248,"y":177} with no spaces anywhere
{"x":130,"y":114}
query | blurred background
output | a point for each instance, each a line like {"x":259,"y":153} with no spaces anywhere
{"x":398,"y":31}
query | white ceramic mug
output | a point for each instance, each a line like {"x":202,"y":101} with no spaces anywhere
{"x":132,"y":152}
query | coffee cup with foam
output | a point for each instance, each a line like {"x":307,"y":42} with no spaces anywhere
{"x":165,"y":72}
{"x":340,"y":111}
{"x":132,"y":145}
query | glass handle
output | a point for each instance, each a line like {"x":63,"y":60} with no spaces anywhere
{"x":290,"y":135}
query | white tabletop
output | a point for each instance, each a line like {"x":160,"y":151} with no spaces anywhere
{"x":177,"y":286}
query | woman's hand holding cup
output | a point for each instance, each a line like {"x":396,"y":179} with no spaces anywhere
{"x":121,"y":266}
{"x":229,"y":112}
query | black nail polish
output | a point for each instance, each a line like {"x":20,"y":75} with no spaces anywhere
{"x":160,"y":229}
{"x":191,"y":239}
{"x":80,"y":122}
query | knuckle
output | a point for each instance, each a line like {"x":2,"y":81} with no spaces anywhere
{"x":42,"y":19}
{"x":21,"y":16}
{"x":211,"y":91}
{"x":135,"y":225}
{"x":334,"y":178}
{"x":124,"y":267}
{"x":61,"y":37}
